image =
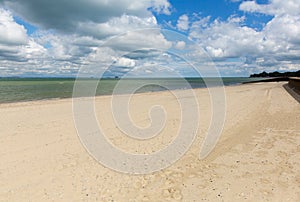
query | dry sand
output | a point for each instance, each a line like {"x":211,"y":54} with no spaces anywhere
{"x":256,"y":159}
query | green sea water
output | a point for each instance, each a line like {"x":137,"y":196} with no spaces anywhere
{"x":28,"y":89}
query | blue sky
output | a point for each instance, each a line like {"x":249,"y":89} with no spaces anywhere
{"x":217,"y":9}
{"x":58,"y":38}
{"x":31,"y":29}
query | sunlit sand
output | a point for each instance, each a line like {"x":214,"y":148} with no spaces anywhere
{"x":257,"y":157}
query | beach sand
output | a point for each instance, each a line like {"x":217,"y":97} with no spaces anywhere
{"x":256,"y":159}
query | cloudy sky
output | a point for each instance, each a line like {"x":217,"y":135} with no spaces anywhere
{"x":57,"y":38}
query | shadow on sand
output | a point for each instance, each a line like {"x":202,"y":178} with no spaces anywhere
{"x":292,"y":91}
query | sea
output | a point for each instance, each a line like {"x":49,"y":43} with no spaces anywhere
{"x":30,"y":89}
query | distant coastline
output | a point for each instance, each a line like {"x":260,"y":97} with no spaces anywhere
{"x":273,"y":76}
{"x":276,"y":74}
{"x":293,"y":79}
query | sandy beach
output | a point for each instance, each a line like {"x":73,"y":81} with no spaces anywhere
{"x":256,"y":159}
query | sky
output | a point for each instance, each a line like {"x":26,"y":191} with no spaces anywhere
{"x":42,"y":38}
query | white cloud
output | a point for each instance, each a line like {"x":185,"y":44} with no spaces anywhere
{"x":183,"y":23}
{"x":285,"y":28}
{"x":228,"y":39}
{"x":82,"y":33}
{"x":11,"y":33}
{"x":125,"y":62}
{"x":15,"y":46}
{"x":275,"y":7}
{"x":137,"y":40}
{"x":66,"y":15}
{"x":180,"y":45}
{"x":161,"y":6}
{"x":116,"y":26}
{"x":201,"y":23}
{"x":71,"y":35}
{"x":276,"y":46}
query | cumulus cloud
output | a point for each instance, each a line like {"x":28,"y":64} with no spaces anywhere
{"x":65,"y":15}
{"x":140,"y":54}
{"x":274,"y":7}
{"x":71,"y":34}
{"x":11,"y":33}
{"x":15,"y":45}
{"x":161,"y":6}
{"x":228,"y":39}
{"x":142,"y":39}
{"x":183,"y":23}
{"x":180,"y":45}
{"x":275,"y":46}
{"x":116,"y":26}
{"x":125,"y":62}
{"x":285,"y":28}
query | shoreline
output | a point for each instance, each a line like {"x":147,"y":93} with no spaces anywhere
{"x":26,"y":91}
{"x":105,"y":95}
{"x":266,"y":79}
{"x":70,"y":98}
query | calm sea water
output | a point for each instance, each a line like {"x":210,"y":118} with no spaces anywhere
{"x":28,"y":89}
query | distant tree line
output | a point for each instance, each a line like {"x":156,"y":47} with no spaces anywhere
{"x":276,"y":74}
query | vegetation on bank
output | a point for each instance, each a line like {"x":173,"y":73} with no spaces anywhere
{"x":276,"y":74}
